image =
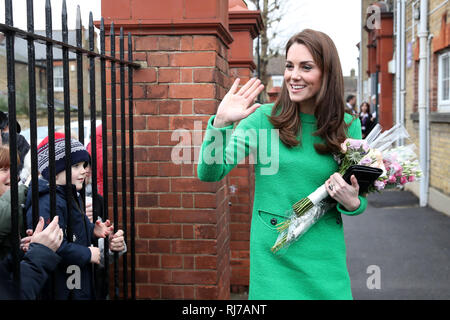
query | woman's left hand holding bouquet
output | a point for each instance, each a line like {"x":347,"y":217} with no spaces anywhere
{"x":238,"y":104}
{"x":339,"y":189}
{"x":342,"y":192}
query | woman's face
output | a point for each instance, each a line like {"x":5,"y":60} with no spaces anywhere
{"x":364,"y":108}
{"x":303,"y":78}
{"x":4,"y":180}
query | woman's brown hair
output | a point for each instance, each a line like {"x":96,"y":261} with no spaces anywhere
{"x":329,"y":101}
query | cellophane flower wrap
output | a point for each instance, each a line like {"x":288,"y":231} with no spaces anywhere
{"x":399,"y":165}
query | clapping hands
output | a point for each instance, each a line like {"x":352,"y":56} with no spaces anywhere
{"x":51,"y":237}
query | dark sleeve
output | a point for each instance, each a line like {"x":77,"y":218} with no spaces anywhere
{"x":70,"y":252}
{"x":35,"y":268}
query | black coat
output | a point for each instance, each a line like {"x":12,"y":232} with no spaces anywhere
{"x":366,"y":124}
{"x":35,"y":268}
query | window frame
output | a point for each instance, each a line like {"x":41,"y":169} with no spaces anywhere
{"x":55,"y":88}
{"x":443,"y":105}
{"x":277,"y":79}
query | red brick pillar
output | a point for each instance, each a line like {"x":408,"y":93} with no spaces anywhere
{"x":384,"y":55}
{"x":245,"y":25}
{"x":182,"y":223}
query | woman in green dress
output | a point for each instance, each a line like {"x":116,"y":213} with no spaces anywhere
{"x":292,"y":142}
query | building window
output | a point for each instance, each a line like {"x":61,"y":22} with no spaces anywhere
{"x":58,"y":80}
{"x":277,"y":81}
{"x":444,"y":82}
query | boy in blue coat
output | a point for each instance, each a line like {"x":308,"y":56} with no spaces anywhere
{"x":74,"y":275}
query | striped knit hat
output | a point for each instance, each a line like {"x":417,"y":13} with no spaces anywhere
{"x":78,"y":154}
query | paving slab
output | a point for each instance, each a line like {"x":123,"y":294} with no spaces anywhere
{"x":393,"y":198}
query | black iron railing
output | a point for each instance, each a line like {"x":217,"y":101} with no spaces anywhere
{"x":31,"y":37}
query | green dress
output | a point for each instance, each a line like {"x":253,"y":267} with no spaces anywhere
{"x":314,"y":267}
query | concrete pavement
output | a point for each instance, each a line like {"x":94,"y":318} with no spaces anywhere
{"x":408,"y":247}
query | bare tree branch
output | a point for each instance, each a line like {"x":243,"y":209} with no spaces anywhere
{"x":272,"y":37}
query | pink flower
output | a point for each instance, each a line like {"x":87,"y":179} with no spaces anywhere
{"x":354,"y":144}
{"x":411,"y":179}
{"x":396,"y":166}
{"x":379,"y":185}
{"x":403,"y":180}
{"x":392,"y":179}
{"x":366,"y":161}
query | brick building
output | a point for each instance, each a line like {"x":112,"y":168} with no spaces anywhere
{"x":382,"y":78}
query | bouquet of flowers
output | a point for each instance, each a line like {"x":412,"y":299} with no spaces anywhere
{"x":399,"y":165}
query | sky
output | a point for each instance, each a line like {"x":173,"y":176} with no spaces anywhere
{"x":341,"y":20}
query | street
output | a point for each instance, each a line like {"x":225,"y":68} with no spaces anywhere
{"x":397,"y":250}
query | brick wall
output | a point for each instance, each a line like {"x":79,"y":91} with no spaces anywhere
{"x":244,"y":25}
{"x":192,"y":237}
{"x":183,"y":234}
{"x":184,"y":229}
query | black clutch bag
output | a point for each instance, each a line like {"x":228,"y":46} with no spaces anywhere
{"x":366,"y":176}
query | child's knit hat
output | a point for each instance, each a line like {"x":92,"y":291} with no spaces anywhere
{"x":78,"y":154}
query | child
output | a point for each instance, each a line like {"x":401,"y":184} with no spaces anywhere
{"x":73,"y":277}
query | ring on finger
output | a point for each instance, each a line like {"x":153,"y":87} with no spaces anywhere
{"x":331,"y":186}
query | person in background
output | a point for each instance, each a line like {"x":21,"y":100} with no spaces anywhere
{"x":373,"y":107}
{"x":366,"y":119}
{"x":4,"y":123}
{"x":98,"y":134}
{"x":23,"y":148}
{"x":22,"y":144}
{"x":351,"y":105}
